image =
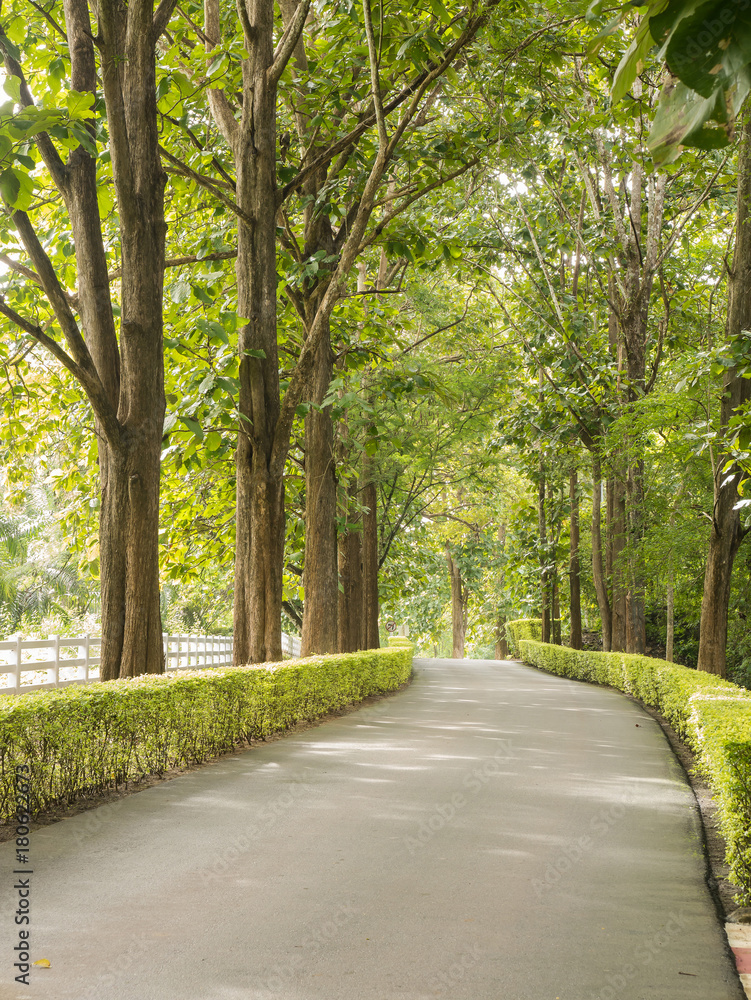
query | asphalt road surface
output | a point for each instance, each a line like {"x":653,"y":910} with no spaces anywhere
{"x":490,"y":833}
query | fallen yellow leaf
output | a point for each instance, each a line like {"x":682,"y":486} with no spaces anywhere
{"x":43,"y":963}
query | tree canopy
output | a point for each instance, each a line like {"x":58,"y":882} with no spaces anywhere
{"x":322,"y":316}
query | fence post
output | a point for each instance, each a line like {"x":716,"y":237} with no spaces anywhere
{"x":56,"y":668}
{"x":19,"y":652}
{"x":86,"y":654}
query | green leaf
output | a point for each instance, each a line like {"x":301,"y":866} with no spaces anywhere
{"x":180,"y":292}
{"x":194,"y":426}
{"x":79,"y":105}
{"x":630,"y":64}
{"x":440,"y":11}
{"x":681,"y":112}
{"x":16,"y":189}
{"x":12,"y":87}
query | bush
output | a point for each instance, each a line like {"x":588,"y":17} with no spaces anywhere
{"x":84,"y":739}
{"x":711,"y":714}
{"x":522,"y":628}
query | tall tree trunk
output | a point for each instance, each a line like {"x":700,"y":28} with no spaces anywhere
{"x":371,"y":639}
{"x":259,"y":550}
{"x":259,"y":554}
{"x":350,"y":615}
{"x":598,"y":571}
{"x":636,"y":628}
{"x":556,"y":610}
{"x":459,"y":607}
{"x":574,"y":566}
{"x":142,"y":402}
{"x":125,"y":386}
{"x":501,"y":642}
{"x":726,"y":533}
{"x":321,"y":581}
{"x":618,"y":559}
{"x":670,"y":638}
{"x":545,"y":603}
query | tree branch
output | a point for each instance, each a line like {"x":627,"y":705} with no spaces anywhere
{"x":288,"y":42}
{"x":161,"y":17}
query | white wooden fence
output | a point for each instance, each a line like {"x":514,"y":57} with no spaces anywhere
{"x":41,"y":664}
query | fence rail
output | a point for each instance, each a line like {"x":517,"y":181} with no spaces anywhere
{"x":76,"y":660}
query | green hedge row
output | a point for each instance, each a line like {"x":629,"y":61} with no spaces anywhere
{"x":88,"y":738}
{"x":711,"y":714}
{"x":522,"y":628}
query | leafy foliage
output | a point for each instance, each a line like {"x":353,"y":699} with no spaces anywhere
{"x":706,"y":45}
{"x":102,"y":736}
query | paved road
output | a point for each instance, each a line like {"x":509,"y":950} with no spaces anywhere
{"x":491,"y":833}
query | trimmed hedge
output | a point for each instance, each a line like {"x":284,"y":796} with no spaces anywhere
{"x":85,"y":739}
{"x":522,"y":628}
{"x":711,"y":714}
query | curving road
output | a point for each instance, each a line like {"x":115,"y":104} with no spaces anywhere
{"x":490,"y":833}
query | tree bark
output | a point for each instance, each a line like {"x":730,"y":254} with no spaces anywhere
{"x":501,"y":642}
{"x":371,"y":639}
{"x":574,"y":566}
{"x":321,"y":581}
{"x":636,"y":627}
{"x":545,"y":602}
{"x":459,"y":607}
{"x":670,"y":636}
{"x":726,"y":533}
{"x":556,"y":610}
{"x":618,"y":560}
{"x":598,"y":572}
{"x":125,"y":382}
{"x":350,"y":614}
{"x":259,"y":550}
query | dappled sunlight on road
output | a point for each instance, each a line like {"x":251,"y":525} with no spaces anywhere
{"x":479,"y":820}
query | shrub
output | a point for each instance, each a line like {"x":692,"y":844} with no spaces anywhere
{"x":84,"y":739}
{"x":522,"y":628}
{"x":711,"y":714}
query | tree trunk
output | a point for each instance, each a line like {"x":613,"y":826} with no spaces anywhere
{"x":556,"y":610}
{"x":133,"y":379}
{"x":574,"y":567}
{"x":259,"y":551}
{"x":636,"y":634}
{"x":371,"y":638}
{"x":459,"y":607}
{"x":726,"y":534}
{"x":670,"y":640}
{"x":321,"y":580}
{"x":501,"y":642}
{"x":598,"y":573}
{"x":350,"y":615}
{"x":618,"y":560}
{"x":543,"y":543}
